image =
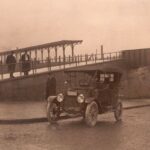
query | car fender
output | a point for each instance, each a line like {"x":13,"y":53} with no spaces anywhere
{"x":89,"y":100}
{"x":51,"y":98}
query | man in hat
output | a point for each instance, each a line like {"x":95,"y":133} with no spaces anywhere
{"x":26,"y":66}
{"x":11,"y":62}
{"x":50,"y":85}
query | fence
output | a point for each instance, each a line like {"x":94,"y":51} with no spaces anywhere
{"x":39,"y":66}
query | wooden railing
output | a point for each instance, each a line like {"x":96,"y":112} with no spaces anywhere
{"x":39,"y":66}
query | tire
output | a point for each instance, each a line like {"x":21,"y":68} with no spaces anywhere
{"x":52,"y":112}
{"x":118,"y":112}
{"x":91,"y":114}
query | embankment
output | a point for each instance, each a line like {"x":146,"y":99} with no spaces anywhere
{"x":136,"y":83}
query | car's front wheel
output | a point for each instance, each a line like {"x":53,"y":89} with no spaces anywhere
{"x":91,"y":114}
{"x":52,"y":112}
{"x":118,"y":111}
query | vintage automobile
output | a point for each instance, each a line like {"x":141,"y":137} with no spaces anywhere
{"x":86,"y":93}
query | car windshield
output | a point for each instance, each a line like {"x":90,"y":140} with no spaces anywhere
{"x":79,"y":79}
{"x":87,"y":79}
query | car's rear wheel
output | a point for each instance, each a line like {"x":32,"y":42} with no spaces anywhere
{"x":118,"y":111}
{"x":91,"y":114}
{"x":52,"y":112}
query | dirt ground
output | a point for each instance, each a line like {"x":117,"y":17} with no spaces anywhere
{"x":133,"y":133}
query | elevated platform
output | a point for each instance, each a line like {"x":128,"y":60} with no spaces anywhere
{"x":32,"y":87}
{"x":41,"y":60}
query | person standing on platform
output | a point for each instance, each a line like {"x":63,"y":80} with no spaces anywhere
{"x":50,"y":86}
{"x":26,"y":66}
{"x":11,"y":62}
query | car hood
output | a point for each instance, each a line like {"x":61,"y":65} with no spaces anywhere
{"x":77,"y":91}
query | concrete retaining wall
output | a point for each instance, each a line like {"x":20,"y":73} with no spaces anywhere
{"x":33,"y":87}
{"x":28,"y":88}
{"x":137,"y":83}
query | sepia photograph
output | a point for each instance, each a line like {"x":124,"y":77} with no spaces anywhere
{"x":75,"y":75}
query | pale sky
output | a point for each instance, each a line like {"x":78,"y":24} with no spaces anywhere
{"x":117,"y":24}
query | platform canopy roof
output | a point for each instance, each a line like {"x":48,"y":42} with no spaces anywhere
{"x":47,"y":45}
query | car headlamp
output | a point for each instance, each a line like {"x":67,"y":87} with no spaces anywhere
{"x":80,"y":98}
{"x":60,"y":97}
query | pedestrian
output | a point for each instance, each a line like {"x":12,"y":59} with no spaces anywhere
{"x":50,"y":85}
{"x":11,"y":62}
{"x":25,"y":60}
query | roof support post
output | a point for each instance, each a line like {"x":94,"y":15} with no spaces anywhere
{"x":17,"y":68}
{"x":1,"y":60}
{"x":5,"y":58}
{"x":48,"y":59}
{"x":30,"y":54}
{"x":16,"y":55}
{"x":110,"y":56}
{"x":2,"y":67}
{"x":55,"y":54}
{"x":102,"y":53}
{"x":35,"y":54}
{"x":20,"y":63}
{"x":64,"y":55}
{"x":72,"y":48}
{"x":42,"y":55}
{"x":48,"y":51}
{"x":35,"y":60}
